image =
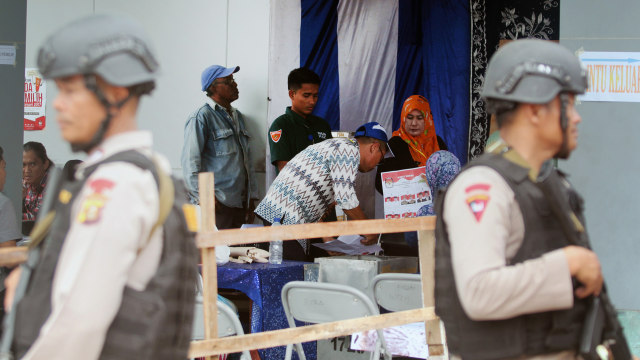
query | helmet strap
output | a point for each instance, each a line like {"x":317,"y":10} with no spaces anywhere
{"x":91,"y":82}
{"x":564,"y":151}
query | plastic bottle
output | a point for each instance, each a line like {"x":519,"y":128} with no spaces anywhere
{"x":275,"y":247}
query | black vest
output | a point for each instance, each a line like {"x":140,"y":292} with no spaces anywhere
{"x":529,"y":334}
{"x":152,"y":324}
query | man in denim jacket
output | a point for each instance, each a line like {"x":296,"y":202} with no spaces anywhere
{"x":216,"y":140}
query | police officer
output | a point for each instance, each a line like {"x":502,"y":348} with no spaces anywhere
{"x":509,"y":282}
{"x":108,"y":281}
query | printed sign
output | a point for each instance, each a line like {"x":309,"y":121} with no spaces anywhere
{"x":613,"y":76}
{"x":405,"y":192}
{"x":35,"y":99}
{"x":7,"y":55}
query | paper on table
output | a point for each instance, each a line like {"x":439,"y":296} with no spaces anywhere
{"x":404,"y":340}
{"x":350,"y":245}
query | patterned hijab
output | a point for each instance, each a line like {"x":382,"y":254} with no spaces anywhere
{"x":424,"y":145}
{"x":441,"y":168}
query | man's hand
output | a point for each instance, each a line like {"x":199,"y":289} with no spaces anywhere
{"x":11,"y":282}
{"x":585,"y":267}
{"x":370,"y":239}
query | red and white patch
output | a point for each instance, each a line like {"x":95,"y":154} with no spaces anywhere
{"x":478,"y":199}
{"x":275,"y":135}
{"x":91,"y":210}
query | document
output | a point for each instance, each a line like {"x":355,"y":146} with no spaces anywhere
{"x":349,"y":245}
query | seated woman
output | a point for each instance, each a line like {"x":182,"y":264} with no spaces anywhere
{"x":414,"y":141}
{"x":35,"y":172}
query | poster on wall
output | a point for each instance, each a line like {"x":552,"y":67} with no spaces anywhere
{"x":405,"y":192}
{"x":35,"y":99}
{"x":613,"y":76}
{"x":7,"y":55}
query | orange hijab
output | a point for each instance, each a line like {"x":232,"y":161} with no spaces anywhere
{"x":422,"y":146}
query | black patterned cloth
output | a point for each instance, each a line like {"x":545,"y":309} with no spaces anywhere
{"x":495,"y":21}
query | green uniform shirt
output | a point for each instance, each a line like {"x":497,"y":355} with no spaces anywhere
{"x":290,"y":133}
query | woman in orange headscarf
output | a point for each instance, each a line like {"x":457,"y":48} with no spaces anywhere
{"x":414,"y":141}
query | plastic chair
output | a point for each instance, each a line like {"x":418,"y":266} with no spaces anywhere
{"x":316,"y":302}
{"x":398,"y":292}
{"x":228,"y":321}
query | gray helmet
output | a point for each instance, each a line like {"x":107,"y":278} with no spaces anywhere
{"x":532,"y":71}
{"x":115,"y":48}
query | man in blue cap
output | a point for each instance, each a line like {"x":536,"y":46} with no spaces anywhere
{"x":318,"y":178}
{"x":216,"y":140}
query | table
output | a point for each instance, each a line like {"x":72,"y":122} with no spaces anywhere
{"x":263,"y":283}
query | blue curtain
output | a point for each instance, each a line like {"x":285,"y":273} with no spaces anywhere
{"x":319,"y":52}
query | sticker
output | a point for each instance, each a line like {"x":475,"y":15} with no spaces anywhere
{"x":275,"y":135}
{"x":91,"y":210}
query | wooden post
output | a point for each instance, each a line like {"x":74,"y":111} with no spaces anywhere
{"x":209,"y":266}
{"x":427,"y":249}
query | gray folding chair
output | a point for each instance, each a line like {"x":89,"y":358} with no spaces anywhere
{"x":316,"y":302}
{"x":228,"y":322}
{"x":398,"y":292}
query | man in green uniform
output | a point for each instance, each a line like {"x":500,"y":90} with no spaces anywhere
{"x":297,"y":128}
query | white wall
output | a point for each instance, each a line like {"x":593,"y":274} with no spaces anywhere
{"x":605,"y":165}
{"x":188,"y":36}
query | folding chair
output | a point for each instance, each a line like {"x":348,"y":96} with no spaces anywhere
{"x":316,"y":302}
{"x":228,"y":321}
{"x":397,"y":292}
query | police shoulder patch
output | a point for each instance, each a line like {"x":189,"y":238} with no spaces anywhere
{"x":477,"y":199}
{"x":91,"y":209}
{"x":275,"y":135}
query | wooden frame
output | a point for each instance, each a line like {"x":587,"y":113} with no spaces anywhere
{"x":207,"y":239}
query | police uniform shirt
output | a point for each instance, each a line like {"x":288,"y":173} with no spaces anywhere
{"x":486,"y":230}
{"x":290,"y":133}
{"x":107,"y":248}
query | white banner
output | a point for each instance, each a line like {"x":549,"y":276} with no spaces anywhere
{"x":613,"y":76}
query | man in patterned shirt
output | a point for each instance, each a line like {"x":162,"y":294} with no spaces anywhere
{"x":320,"y":177}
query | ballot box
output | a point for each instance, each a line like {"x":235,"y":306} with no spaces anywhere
{"x":357,"y":271}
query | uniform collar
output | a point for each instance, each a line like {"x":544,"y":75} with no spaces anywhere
{"x":297,"y":117}
{"x":138,"y":139}
{"x":502,"y":148}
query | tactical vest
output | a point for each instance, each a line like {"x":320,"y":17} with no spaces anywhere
{"x":529,"y":334}
{"x":155,"y":323}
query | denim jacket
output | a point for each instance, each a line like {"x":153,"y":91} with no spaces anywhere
{"x":212,"y":145}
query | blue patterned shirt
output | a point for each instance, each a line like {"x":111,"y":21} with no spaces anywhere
{"x":315,"y":178}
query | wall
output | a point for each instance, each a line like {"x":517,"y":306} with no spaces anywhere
{"x":12,"y":29}
{"x":604,"y":165}
{"x":188,"y":36}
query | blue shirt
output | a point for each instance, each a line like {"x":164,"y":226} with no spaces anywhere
{"x":214,"y":142}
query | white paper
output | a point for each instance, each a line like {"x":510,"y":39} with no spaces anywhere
{"x":7,"y":55}
{"x":349,"y":245}
{"x":248,"y":226}
{"x":405,"y":340}
{"x":405,"y":192}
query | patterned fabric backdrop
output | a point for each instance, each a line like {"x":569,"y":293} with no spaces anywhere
{"x":491,"y":22}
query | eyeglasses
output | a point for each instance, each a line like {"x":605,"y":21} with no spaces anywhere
{"x":382,"y":157}
{"x":225,"y":81}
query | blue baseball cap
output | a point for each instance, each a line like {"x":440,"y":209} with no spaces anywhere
{"x":376,"y":131}
{"x":214,"y":72}
{"x":372,"y":130}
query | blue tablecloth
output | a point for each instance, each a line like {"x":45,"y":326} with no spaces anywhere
{"x":263,"y":283}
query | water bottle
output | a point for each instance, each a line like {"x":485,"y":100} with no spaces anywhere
{"x":275,"y":247}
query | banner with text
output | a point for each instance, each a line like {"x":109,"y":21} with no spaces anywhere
{"x":613,"y":76}
{"x":35,"y":99}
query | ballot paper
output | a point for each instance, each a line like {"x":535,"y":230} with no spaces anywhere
{"x":349,"y":245}
{"x":405,"y":340}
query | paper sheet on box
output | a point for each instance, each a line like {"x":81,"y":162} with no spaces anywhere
{"x":349,"y":245}
{"x":405,"y":340}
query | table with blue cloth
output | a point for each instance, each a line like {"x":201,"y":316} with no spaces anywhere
{"x":263,"y":284}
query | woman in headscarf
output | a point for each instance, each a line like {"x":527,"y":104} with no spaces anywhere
{"x":414,"y":141}
{"x":441,"y":168}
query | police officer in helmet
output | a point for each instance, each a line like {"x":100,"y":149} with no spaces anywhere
{"x":111,"y":274}
{"x":513,"y":278}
